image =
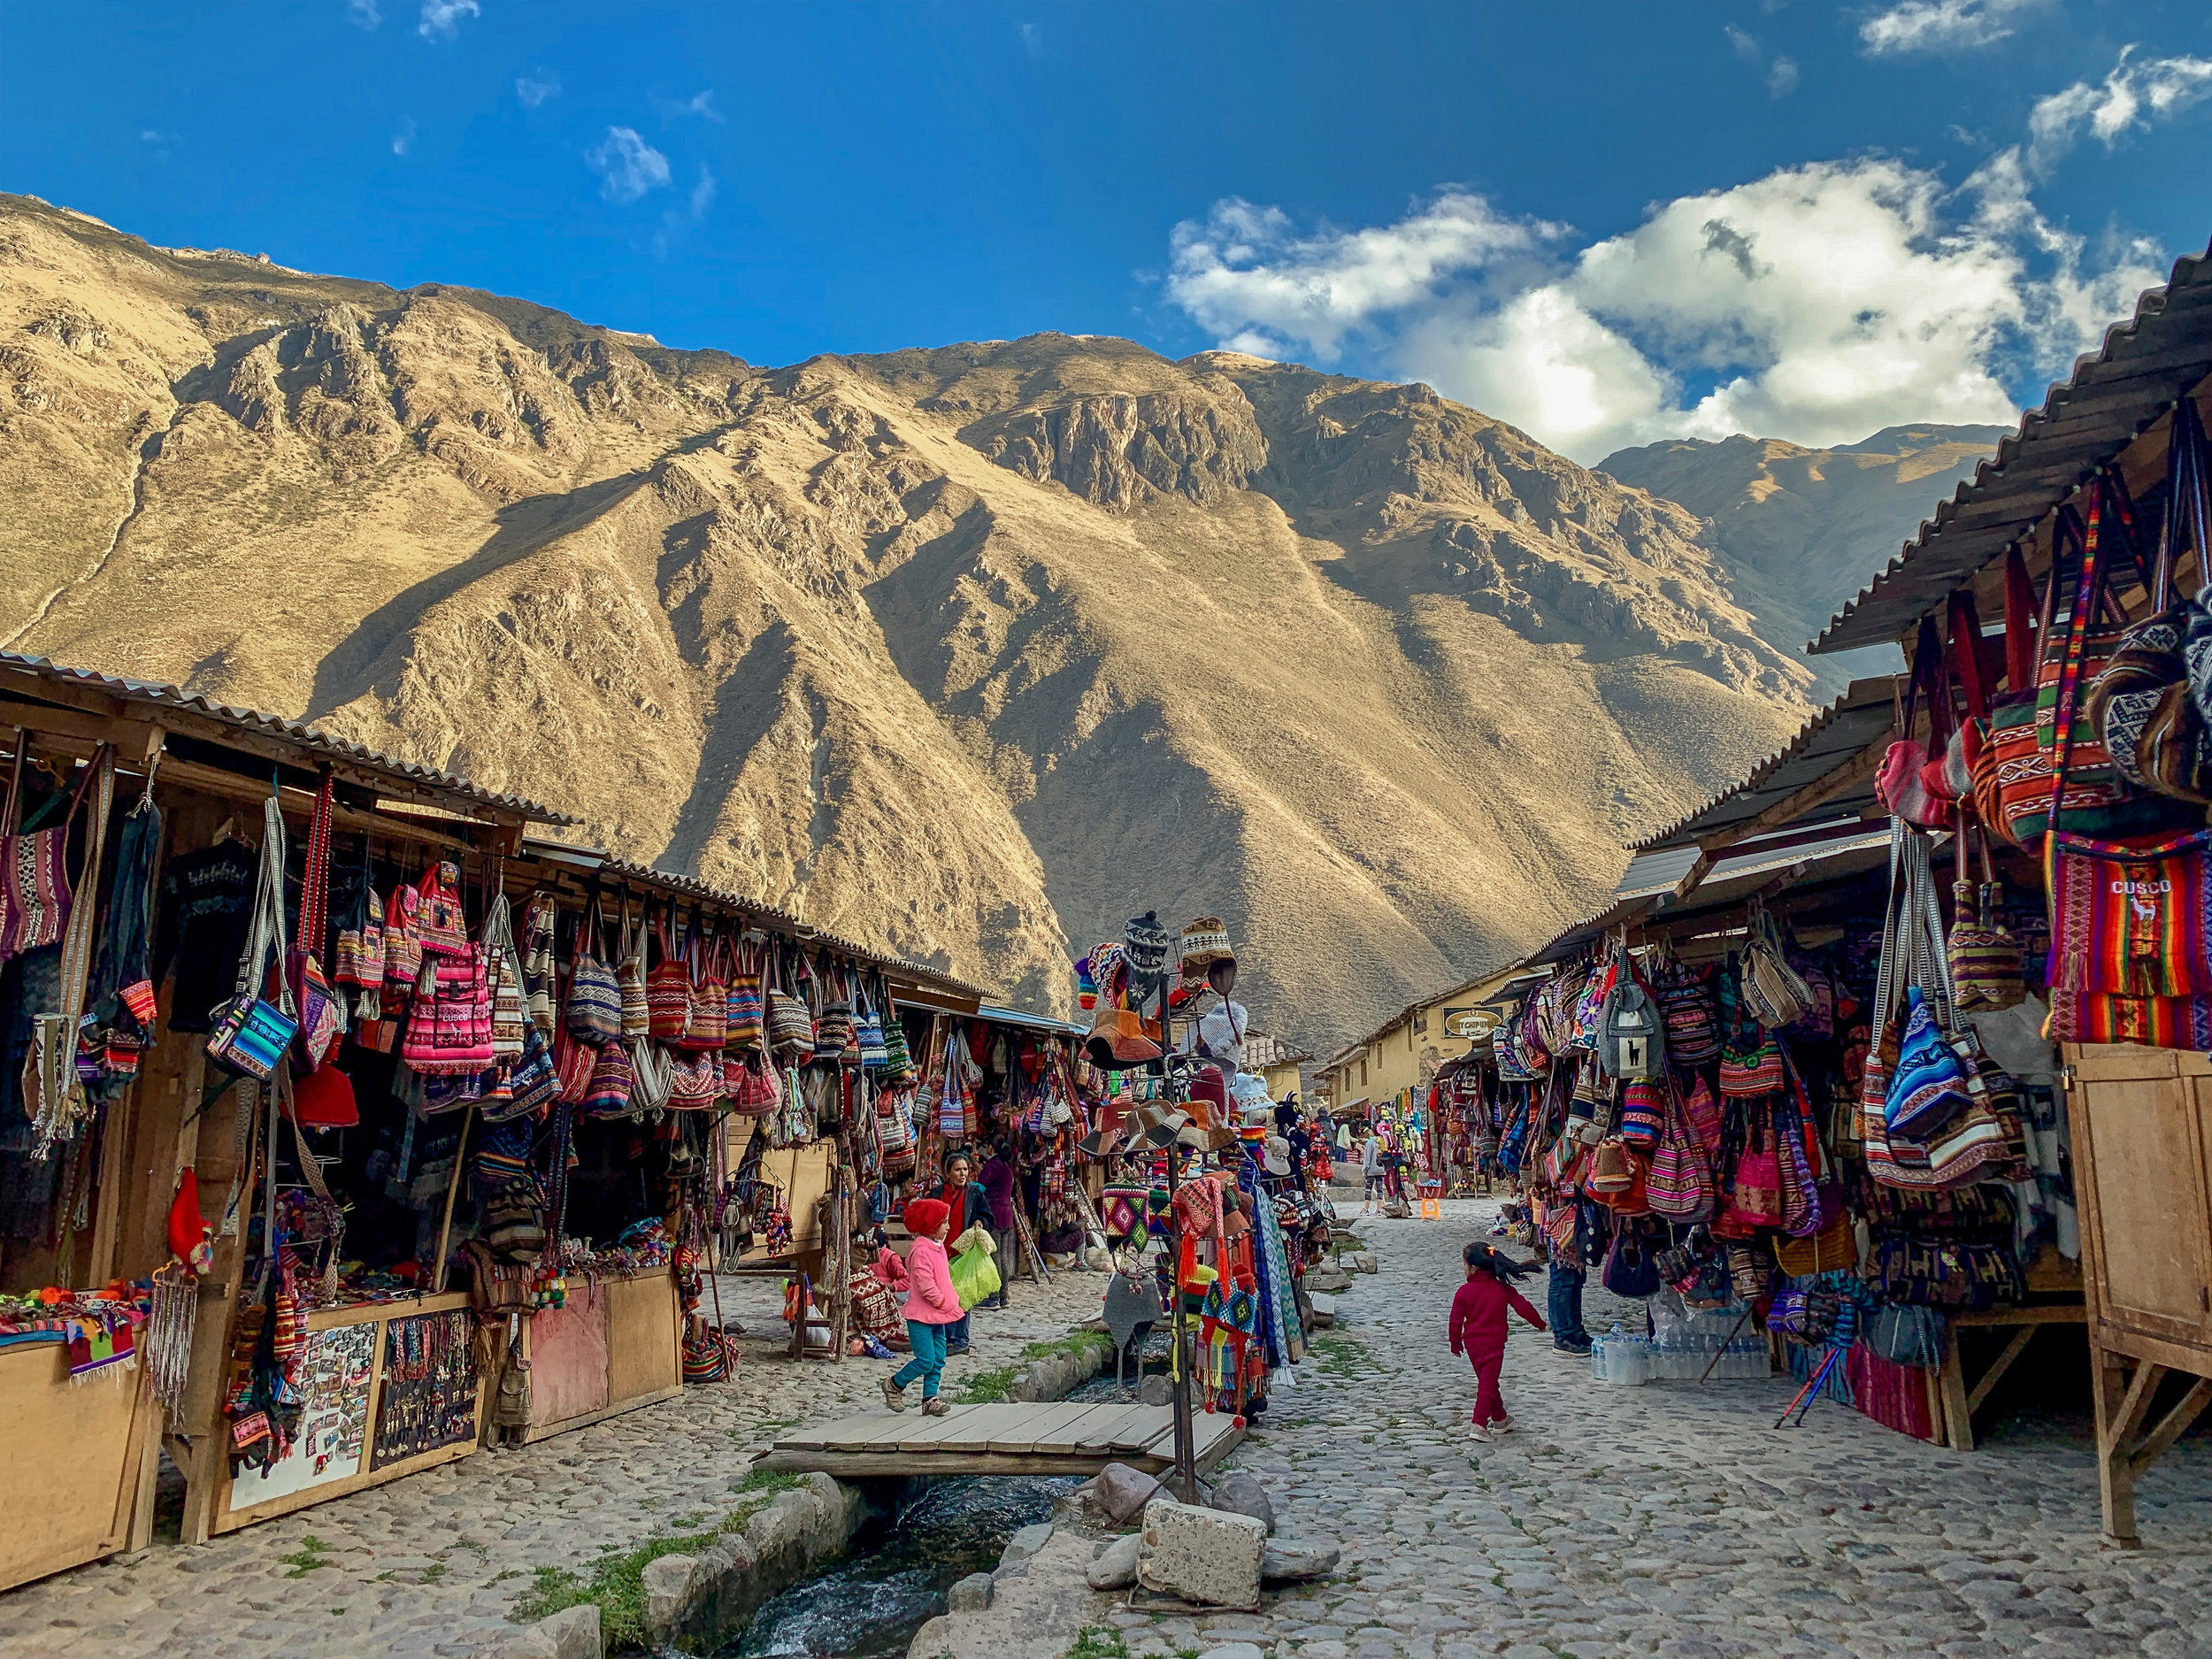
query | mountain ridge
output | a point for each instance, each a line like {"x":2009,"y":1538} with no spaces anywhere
{"x":970,"y":651}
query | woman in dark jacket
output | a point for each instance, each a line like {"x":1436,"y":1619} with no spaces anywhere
{"x":964,"y":1195}
{"x":998,"y":1183}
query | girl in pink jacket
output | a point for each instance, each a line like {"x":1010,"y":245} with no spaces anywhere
{"x":932,"y":1304}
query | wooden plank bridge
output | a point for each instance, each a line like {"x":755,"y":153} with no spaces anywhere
{"x":1068,"y":1438}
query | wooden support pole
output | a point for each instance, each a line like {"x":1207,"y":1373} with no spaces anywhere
{"x":452,"y":1191}
{"x":2122,"y":1401}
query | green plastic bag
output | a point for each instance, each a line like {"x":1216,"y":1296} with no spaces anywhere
{"x":974,"y":1275}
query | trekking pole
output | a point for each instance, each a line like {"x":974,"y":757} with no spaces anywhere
{"x":1808,"y":1393}
{"x":1723,"y":1348}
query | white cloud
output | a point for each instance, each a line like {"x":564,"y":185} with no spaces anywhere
{"x":1781,"y":72}
{"x":403,"y":135}
{"x":1818,"y":304}
{"x":440,"y":19}
{"x":1781,"y":77}
{"x":1941,"y":26}
{"x":1747,"y":48}
{"x":532,"y":90}
{"x":702,"y":194}
{"x":1246,"y":275}
{"x":2133,"y":96}
{"x":700,"y":103}
{"x":627,"y":166}
{"x":1033,"y":39}
{"x":363,"y":14}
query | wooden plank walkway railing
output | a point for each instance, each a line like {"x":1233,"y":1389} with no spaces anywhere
{"x":1072,"y":1437}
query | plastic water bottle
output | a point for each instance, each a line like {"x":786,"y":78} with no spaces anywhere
{"x":1598,"y":1361}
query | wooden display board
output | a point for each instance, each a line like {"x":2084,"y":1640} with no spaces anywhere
{"x":2141,"y":1125}
{"x":74,"y":1450}
{"x":346,"y":1410}
{"x":615,"y":1344}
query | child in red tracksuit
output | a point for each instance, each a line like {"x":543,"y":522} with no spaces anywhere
{"x":1478,"y":1331}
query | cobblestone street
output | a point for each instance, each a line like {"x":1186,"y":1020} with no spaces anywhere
{"x":433,"y":1563}
{"x":1674,"y":1520}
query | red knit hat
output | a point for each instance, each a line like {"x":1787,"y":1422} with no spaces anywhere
{"x":925,"y":1216}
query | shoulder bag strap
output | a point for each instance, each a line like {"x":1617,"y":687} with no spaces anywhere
{"x":2085,"y":593}
{"x":1966,"y":652}
{"x":2020,"y":636}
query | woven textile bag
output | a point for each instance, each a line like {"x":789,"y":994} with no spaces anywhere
{"x":1686,"y":997}
{"x":251,"y":1033}
{"x":1901,"y":784}
{"x":790,"y":1023}
{"x":667,"y":990}
{"x":745,"y":1028}
{"x":496,"y":941}
{"x":629,"y":978}
{"x":898,"y":1062}
{"x":449,"y":1029}
{"x":34,"y":870}
{"x":755,"y":1088}
{"x":707,"y":1018}
{"x":1976,"y":1142}
{"x":2074,"y":781}
{"x":695,"y":1082}
{"x":1679,"y":1187}
{"x":1988,"y":965}
{"x":443,"y":929}
{"x":613,"y":1079}
{"x":651,"y":1075}
{"x":594,"y":1009}
{"x":1776,"y":993}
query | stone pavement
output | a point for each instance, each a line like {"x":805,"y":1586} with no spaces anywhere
{"x":433,"y":1563}
{"x":1672,"y":1519}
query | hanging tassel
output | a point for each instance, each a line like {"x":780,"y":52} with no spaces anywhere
{"x":167,"y":1348}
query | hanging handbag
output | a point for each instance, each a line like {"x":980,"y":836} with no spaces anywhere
{"x":667,"y":985}
{"x":652,"y":1075}
{"x":1686,"y":997}
{"x":1754,"y":1187}
{"x":1752,"y":1073}
{"x":572,"y":1062}
{"x":1974,"y":1146}
{"x":629,"y":978}
{"x":34,"y":868}
{"x":707,"y":996}
{"x":532,"y":1081}
{"x":1631,"y":1270}
{"x":403,"y":941}
{"x":439,"y":920}
{"x":695,"y":1081}
{"x":251,"y":1033}
{"x":1679,"y":1185}
{"x":1776,"y":993}
{"x":868,"y":1030}
{"x":449,"y":1027}
{"x":613,"y":1079}
{"x":1900,"y":783}
{"x":1988,"y":966}
{"x":743,"y":1029}
{"x":898,"y":1063}
{"x":790,"y":1024}
{"x":2075,"y":786}
{"x":594,"y":1009}
{"x":496,"y":941}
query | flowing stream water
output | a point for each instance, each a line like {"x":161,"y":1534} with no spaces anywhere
{"x":871,"y":1603}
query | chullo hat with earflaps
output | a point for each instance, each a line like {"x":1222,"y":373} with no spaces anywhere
{"x":1207,"y":956}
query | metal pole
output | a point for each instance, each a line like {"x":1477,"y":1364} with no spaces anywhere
{"x":1185,"y":1439}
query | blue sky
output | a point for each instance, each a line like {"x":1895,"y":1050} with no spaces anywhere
{"x":1608,"y":222}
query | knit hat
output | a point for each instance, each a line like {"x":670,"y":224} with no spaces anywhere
{"x":1207,"y":958}
{"x":1145,"y":943}
{"x":925,"y":1216}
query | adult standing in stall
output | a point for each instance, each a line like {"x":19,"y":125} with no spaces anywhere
{"x":997,"y":1180}
{"x":965,"y":1203}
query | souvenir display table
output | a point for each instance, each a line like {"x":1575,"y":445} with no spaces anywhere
{"x":391,"y":1388}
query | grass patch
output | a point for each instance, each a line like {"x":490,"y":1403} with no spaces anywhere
{"x":311,"y":1554}
{"x":988,"y":1387}
{"x":1098,"y":1641}
{"x":1342,"y":1356}
{"x":616,"y":1582}
{"x":434,"y":1571}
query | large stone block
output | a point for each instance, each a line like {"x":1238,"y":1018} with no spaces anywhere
{"x":1123,"y":1492}
{"x":667,"y":1585}
{"x":1209,"y":1556}
{"x":971,"y":1594}
{"x":1242,"y":1494}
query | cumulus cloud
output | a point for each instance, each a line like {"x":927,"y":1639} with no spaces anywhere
{"x":1818,"y":304}
{"x":627,"y":166}
{"x":2133,"y":96}
{"x":363,"y":14}
{"x":532,"y":90}
{"x":440,"y":19}
{"x":1244,"y":274}
{"x":699,"y":103}
{"x":1941,"y":26}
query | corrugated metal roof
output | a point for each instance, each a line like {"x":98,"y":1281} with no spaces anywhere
{"x":312,"y":738}
{"x":1030,"y":1022}
{"x":1842,"y":729}
{"x":2146,"y":363}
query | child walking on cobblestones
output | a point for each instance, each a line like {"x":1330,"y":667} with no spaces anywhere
{"x":931,"y":1305}
{"x":1478,"y":1331}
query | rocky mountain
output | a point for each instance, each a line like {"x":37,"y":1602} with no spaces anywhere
{"x":1806,"y":529}
{"x":969,"y":652}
